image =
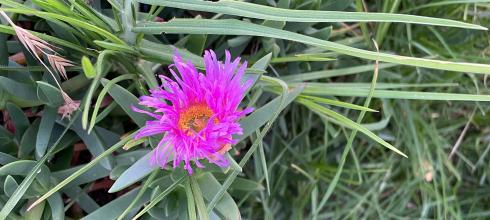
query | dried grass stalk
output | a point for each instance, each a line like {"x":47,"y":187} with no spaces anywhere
{"x":37,"y":46}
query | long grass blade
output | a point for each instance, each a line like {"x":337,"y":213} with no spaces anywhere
{"x":236,"y":27}
{"x":247,"y":9}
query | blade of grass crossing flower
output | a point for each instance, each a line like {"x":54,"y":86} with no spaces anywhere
{"x":233,"y":164}
{"x":159,"y":198}
{"x":84,"y":169}
{"x":19,"y":192}
{"x":198,"y":198}
{"x":139,"y":195}
{"x":191,"y":207}
{"x":236,"y":27}
{"x":283,"y":99}
{"x":226,"y":207}
{"x":260,"y":64}
{"x":246,"y":9}
{"x":263,"y":163}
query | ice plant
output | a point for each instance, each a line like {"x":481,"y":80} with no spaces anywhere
{"x":197,"y":113}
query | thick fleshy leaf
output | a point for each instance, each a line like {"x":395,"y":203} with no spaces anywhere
{"x":9,"y":186}
{"x":113,"y":209}
{"x":23,"y":91}
{"x":45,"y":128}
{"x":134,"y":173}
{"x":260,"y":116}
{"x":49,"y":94}
{"x":28,"y":141}
{"x":57,"y":208}
{"x":20,"y":120}
{"x":94,"y":143}
{"x":126,"y":99}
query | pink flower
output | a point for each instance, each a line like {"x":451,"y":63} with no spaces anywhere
{"x":198,"y":114}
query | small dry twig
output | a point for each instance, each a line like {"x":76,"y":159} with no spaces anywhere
{"x":461,"y":136}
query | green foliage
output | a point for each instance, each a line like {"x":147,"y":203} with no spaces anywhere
{"x":299,"y":156}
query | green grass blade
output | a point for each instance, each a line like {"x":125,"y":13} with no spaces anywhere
{"x":350,"y":141}
{"x":139,"y":195}
{"x":291,"y":95}
{"x":334,"y":72}
{"x":191,"y":207}
{"x":101,"y":96}
{"x":263,"y":164}
{"x":82,"y":170}
{"x":337,"y":103}
{"x":443,"y":3}
{"x":101,"y":68}
{"x":246,"y":9}
{"x":347,"y":122}
{"x":160,"y":196}
{"x":236,"y":27}
{"x":71,"y":21}
{"x":198,"y":198}
{"x":394,"y":94}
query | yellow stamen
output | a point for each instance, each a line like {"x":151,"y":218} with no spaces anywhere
{"x":195,"y":117}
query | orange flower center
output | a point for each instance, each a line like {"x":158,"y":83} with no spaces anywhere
{"x":195,"y":117}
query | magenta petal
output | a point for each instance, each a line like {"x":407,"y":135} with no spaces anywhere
{"x":220,"y":90}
